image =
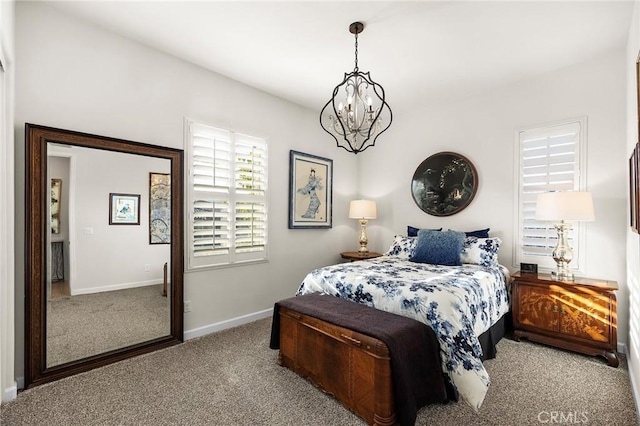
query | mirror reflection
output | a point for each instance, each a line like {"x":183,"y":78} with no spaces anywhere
{"x":109,"y":251}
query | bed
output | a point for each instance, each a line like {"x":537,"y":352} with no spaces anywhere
{"x":459,"y":302}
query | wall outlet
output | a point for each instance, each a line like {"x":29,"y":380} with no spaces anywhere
{"x":147,"y":268}
{"x":187,"y":306}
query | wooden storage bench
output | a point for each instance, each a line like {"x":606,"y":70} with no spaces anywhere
{"x":354,"y":368}
{"x":331,"y":342}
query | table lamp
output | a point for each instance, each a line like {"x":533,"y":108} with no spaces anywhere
{"x":560,"y":207}
{"x":362,"y":210}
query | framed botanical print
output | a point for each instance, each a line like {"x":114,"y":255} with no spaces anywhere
{"x":310,"y":191}
{"x":124,"y":209}
{"x":56,"y":193}
{"x":159,"y":208}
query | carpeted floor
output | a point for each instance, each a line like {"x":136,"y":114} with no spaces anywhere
{"x":90,"y":324}
{"x":232,"y":378}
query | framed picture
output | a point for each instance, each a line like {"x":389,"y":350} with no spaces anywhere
{"x":444,"y":184}
{"x":124,"y":209}
{"x":56,"y":193}
{"x":159,"y":208}
{"x":310,"y":191}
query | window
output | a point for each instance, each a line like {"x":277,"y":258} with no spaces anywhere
{"x":550,"y":158}
{"x":227,"y":197}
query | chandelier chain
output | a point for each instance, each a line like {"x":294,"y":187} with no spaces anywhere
{"x":356,"y":68}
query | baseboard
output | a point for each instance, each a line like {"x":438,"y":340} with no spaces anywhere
{"x":10,"y":393}
{"x":622,"y":348}
{"x":635,"y":386}
{"x":223,"y":325}
{"x":123,"y":286}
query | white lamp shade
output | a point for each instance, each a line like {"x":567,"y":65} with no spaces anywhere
{"x":568,"y":206}
{"x":362,"y":209}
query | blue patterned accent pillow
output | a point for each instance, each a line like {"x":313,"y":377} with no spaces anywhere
{"x":402,"y":247}
{"x":438,"y":248}
{"x":480,"y":251}
{"x":412,"y":231}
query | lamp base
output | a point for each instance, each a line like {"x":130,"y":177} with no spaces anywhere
{"x":363,"y":239}
{"x":563,"y":254}
{"x":562,"y":276}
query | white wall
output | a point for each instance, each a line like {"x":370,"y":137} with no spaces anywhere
{"x":632,"y":239}
{"x":91,"y":245}
{"x":78,"y":77}
{"x":8,"y":385}
{"x":483,"y":129}
{"x":108,"y":257}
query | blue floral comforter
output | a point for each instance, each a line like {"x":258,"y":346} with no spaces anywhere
{"x":458,"y":302}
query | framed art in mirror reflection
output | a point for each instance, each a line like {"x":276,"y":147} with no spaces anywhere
{"x":124,"y":209}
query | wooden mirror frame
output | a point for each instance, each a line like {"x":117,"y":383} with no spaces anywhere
{"x":37,"y":226}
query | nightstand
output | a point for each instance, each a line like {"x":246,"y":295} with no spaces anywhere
{"x":577,"y":315}
{"x":355,"y":255}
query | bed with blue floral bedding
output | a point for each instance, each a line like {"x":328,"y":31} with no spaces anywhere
{"x":458,"y":302}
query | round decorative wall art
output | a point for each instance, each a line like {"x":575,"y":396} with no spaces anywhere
{"x":444,"y":184}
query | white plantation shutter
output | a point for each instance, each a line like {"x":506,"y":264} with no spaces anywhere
{"x":250,"y":232}
{"x":228,"y":189}
{"x":211,"y":159}
{"x":250,"y":165}
{"x":250,"y":186}
{"x":210,"y":228}
{"x":550,"y":160}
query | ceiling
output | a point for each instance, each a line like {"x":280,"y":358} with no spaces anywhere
{"x":419,"y":51}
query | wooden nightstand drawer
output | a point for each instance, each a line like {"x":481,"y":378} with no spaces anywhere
{"x":575,"y":315}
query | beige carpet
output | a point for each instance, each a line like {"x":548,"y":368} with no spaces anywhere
{"x":90,"y":324}
{"x":231,"y":378}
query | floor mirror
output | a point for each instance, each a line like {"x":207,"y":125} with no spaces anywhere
{"x":104,"y":251}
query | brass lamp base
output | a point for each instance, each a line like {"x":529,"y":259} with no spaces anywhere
{"x":363,"y":239}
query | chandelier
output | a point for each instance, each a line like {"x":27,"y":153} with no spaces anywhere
{"x":357,"y":118}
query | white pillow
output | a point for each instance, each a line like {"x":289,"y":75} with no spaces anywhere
{"x":480,"y":251}
{"x":402,"y":247}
